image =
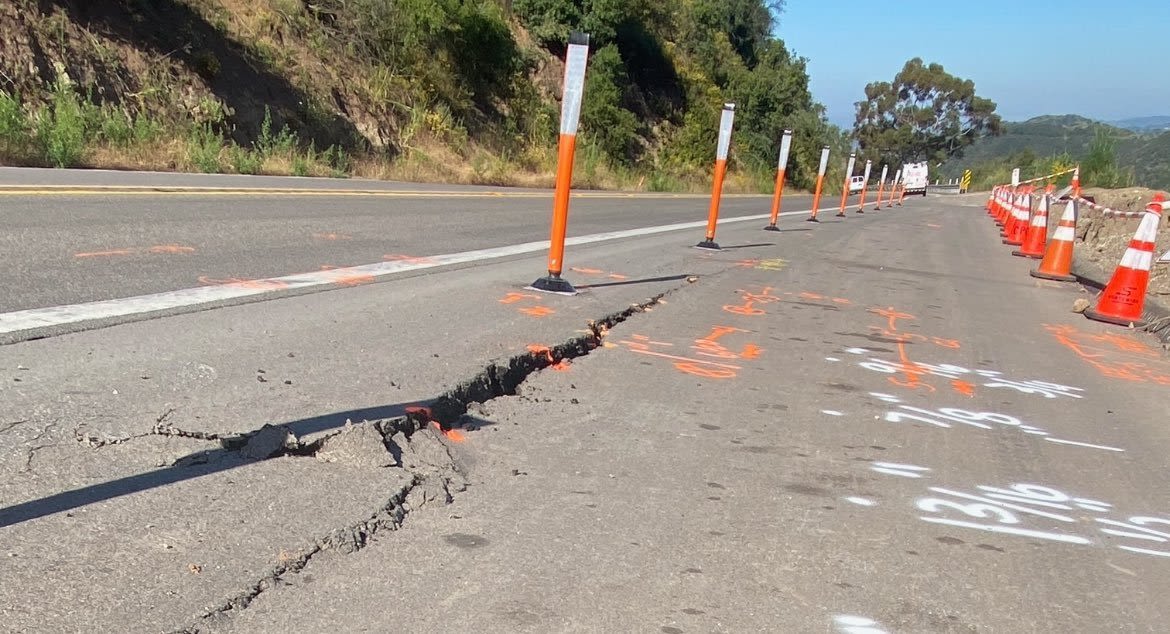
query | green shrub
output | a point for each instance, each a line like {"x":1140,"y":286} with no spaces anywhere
{"x":13,"y":127}
{"x":245,"y":161}
{"x":61,"y":132}
{"x":203,"y":149}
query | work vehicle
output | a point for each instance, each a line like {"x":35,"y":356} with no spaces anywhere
{"x":856,"y":183}
{"x":914,"y":178}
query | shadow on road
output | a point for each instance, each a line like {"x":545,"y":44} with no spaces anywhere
{"x":669,"y":278}
{"x":199,"y":464}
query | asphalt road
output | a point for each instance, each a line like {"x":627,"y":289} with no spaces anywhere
{"x":134,"y":234}
{"x":876,"y":425}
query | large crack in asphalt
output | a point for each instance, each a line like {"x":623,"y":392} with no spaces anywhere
{"x":410,"y":442}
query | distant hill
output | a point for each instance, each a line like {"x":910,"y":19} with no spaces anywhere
{"x":1148,"y":154}
{"x":1156,"y":124}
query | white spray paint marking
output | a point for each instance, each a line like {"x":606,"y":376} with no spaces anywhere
{"x":953,"y":372}
{"x":897,"y":469}
{"x":887,"y":398}
{"x":948,"y":417}
{"x":1083,"y":444}
{"x":856,"y":350}
{"x":860,"y":501}
{"x":184,"y":298}
{"x":1004,"y":510}
{"x":831,"y":359}
{"x":832,"y":412}
{"x":848,"y":624}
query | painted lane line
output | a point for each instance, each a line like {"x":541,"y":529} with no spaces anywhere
{"x":169,"y":300}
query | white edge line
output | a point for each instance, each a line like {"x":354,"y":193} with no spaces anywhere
{"x":33,"y":318}
{"x":1083,"y":444}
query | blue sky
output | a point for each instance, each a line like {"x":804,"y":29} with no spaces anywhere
{"x":1104,"y":60}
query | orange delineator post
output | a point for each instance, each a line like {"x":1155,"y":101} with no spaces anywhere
{"x":820,"y":184}
{"x":725,"y":124}
{"x":1123,"y":298}
{"x":1037,"y":233}
{"x":864,"y":187}
{"x":845,"y":187}
{"x":782,"y":165}
{"x":574,"y":88}
{"x":1057,"y":262}
{"x":881,"y":187}
{"x":894,"y":189}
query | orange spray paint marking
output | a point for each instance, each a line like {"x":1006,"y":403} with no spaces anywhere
{"x":750,"y":300}
{"x":418,"y":411}
{"x":747,"y":264}
{"x":102,"y":254}
{"x":512,"y":298}
{"x":537,"y":311}
{"x":964,"y":388}
{"x":751,"y":351}
{"x":354,"y":279}
{"x":243,"y":283}
{"x":841,"y":300}
{"x":171,"y":249}
{"x":562,"y":366}
{"x":586,"y":271}
{"x":409,"y":259}
{"x":1103,"y":358}
{"x":909,"y":369}
{"x":619,"y":277}
{"x":331,"y":236}
{"x":454,"y":435}
{"x":808,"y":295}
{"x":704,"y":372}
{"x":537,"y":349}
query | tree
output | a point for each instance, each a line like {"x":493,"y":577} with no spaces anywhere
{"x":925,"y":114}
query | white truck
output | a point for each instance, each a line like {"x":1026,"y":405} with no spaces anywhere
{"x":914,"y":178}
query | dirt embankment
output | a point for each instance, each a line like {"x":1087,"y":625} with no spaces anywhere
{"x":1102,"y":238}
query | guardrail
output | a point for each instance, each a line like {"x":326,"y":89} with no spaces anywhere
{"x":948,"y":188}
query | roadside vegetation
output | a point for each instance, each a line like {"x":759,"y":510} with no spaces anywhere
{"x":1099,"y":167}
{"x":431,"y":90}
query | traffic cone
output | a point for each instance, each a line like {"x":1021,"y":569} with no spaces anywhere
{"x":991,"y":201}
{"x":1121,"y":301}
{"x":1013,"y":233}
{"x":1037,"y":232}
{"x":1057,"y":262}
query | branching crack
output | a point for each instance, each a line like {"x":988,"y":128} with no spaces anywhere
{"x":12,"y":425}
{"x":32,"y":451}
{"x":428,"y":481}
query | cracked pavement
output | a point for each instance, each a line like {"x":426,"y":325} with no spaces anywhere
{"x":728,"y":452}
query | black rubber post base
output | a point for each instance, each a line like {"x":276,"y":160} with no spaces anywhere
{"x":1054,"y":277}
{"x":840,"y":214}
{"x":1110,"y":319}
{"x":860,"y":211}
{"x":553,"y":283}
{"x":811,"y":220}
{"x":709,"y":245}
{"x":771,"y":228}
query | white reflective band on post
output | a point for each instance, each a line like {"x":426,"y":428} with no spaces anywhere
{"x":785,"y":146}
{"x":868,"y":167}
{"x":849,"y":169}
{"x":824,"y":161}
{"x":725,"y":123}
{"x":574,"y":87}
{"x":885,"y":170}
{"x":897,"y":176}
{"x":1016,"y":177}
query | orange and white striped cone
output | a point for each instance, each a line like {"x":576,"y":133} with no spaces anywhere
{"x":991,"y":198}
{"x":1122,"y":300}
{"x":1057,"y":262}
{"x":1014,"y":235}
{"x":1011,"y":213}
{"x":997,"y":205}
{"x":1037,"y":233}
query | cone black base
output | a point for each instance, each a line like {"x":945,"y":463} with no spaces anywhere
{"x":553,"y":283}
{"x":771,"y":228}
{"x":1053,"y":276}
{"x":708,"y":245}
{"x":1110,"y":319}
{"x":1021,"y":254}
{"x":1014,"y":243}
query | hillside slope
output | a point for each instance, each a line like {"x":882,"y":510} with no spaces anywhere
{"x":456,"y":90}
{"x":1067,"y":140}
